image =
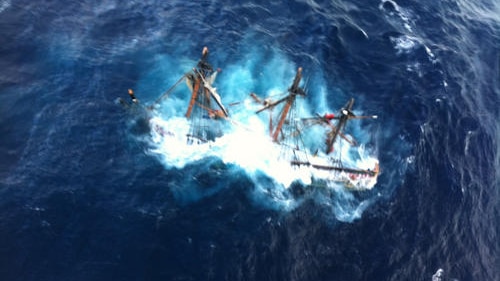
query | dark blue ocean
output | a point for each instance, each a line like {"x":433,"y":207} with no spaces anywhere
{"x":84,"y":197}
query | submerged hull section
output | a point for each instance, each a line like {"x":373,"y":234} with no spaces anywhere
{"x":351,"y":178}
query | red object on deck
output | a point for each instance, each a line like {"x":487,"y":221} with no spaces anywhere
{"x":329,"y":116}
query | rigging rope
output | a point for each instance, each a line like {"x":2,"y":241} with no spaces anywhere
{"x":164,"y":95}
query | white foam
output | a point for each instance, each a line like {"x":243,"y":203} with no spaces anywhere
{"x":404,"y":17}
{"x":404,"y":43}
{"x":4,"y":5}
{"x":249,"y":147}
{"x":438,"y":276}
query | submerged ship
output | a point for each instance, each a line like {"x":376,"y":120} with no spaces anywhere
{"x":289,"y":132}
{"x":205,"y":114}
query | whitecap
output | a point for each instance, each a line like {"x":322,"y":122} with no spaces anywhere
{"x":404,"y":43}
{"x":398,"y":15}
{"x":439,"y":275}
{"x":4,"y":5}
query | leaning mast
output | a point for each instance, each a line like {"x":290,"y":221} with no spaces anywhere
{"x":293,"y":91}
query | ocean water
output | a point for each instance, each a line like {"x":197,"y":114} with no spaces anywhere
{"x":86,"y":193}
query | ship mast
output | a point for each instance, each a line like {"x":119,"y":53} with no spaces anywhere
{"x":203,"y":68}
{"x":194,"y":95}
{"x":293,"y":91}
{"x":345,"y":114}
{"x":290,"y":99}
